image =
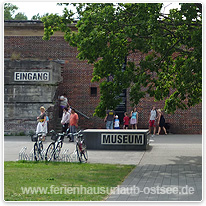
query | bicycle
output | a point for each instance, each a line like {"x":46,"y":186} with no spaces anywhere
{"x":38,"y":146}
{"x":80,"y":147}
{"x":54,"y":149}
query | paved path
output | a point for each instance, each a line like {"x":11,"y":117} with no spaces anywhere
{"x":12,"y":146}
{"x":173,"y":162}
{"x":170,"y":171}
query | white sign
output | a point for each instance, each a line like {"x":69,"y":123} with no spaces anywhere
{"x":122,"y":139}
{"x":31,"y":76}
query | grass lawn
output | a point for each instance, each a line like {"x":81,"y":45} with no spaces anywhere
{"x":57,"y":177}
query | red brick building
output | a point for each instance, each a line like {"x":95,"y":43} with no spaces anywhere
{"x":23,"y":41}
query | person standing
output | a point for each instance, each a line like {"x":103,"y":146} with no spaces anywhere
{"x":74,"y":118}
{"x":116,"y":122}
{"x":63,"y":103}
{"x":134,"y":118}
{"x":69,"y":109}
{"x":126,"y":121}
{"x":152,"y":119}
{"x":161,"y":122}
{"x":65,"y":119}
{"x":42,"y":123}
{"x":109,"y":119}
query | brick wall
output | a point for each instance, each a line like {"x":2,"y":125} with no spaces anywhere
{"x":76,"y":83}
{"x":33,"y":47}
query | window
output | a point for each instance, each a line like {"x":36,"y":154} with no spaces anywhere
{"x":93,"y":91}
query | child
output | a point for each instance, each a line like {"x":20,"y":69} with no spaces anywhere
{"x":126,"y":121}
{"x":116,"y":122}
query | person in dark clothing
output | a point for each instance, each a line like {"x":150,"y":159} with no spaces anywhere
{"x":109,"y":119}
{"x":161,"y":122}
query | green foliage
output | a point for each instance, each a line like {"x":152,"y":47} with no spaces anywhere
{"x":36,"y":17}
{"x":9,"y":11}
{"x":171,"y":45}
{"x":20,"y":16}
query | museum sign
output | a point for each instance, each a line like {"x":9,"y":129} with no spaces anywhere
{"x":122,"y":139}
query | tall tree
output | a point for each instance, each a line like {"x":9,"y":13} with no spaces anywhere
{"x":171,"y":47}
{"x":9,"y":10}
{"x":20,"y":16}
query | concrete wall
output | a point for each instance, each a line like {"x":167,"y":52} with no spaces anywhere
{"x":22,"y":99}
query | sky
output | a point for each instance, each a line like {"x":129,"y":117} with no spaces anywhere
{"x":31,"y":8}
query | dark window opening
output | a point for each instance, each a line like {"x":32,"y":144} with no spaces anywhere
{"x":93,"y":91}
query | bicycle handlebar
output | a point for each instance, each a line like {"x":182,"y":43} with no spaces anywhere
{"x":75,"y":134}
{"x":58,"y":134}
{"x":52,"y":131}
{"x":64,"y":133}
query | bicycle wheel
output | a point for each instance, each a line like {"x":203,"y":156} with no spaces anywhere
{"x":78,"y":153}
{"x":37,"y":151}
{"x":58,"y":150}
{"x":84,"y":153}
{"x":50,"y":152}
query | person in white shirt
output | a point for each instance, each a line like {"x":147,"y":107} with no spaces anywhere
{"x":152,"y":119}
{"x":116,"y":122}
{"x":65,"y":119}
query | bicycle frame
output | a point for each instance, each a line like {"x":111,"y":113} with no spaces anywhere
{"x":38,"y":148}
{"x":54,"y":148}
{"x":80,"y":147}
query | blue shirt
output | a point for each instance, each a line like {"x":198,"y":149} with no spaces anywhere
{"x":134,"y":115}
